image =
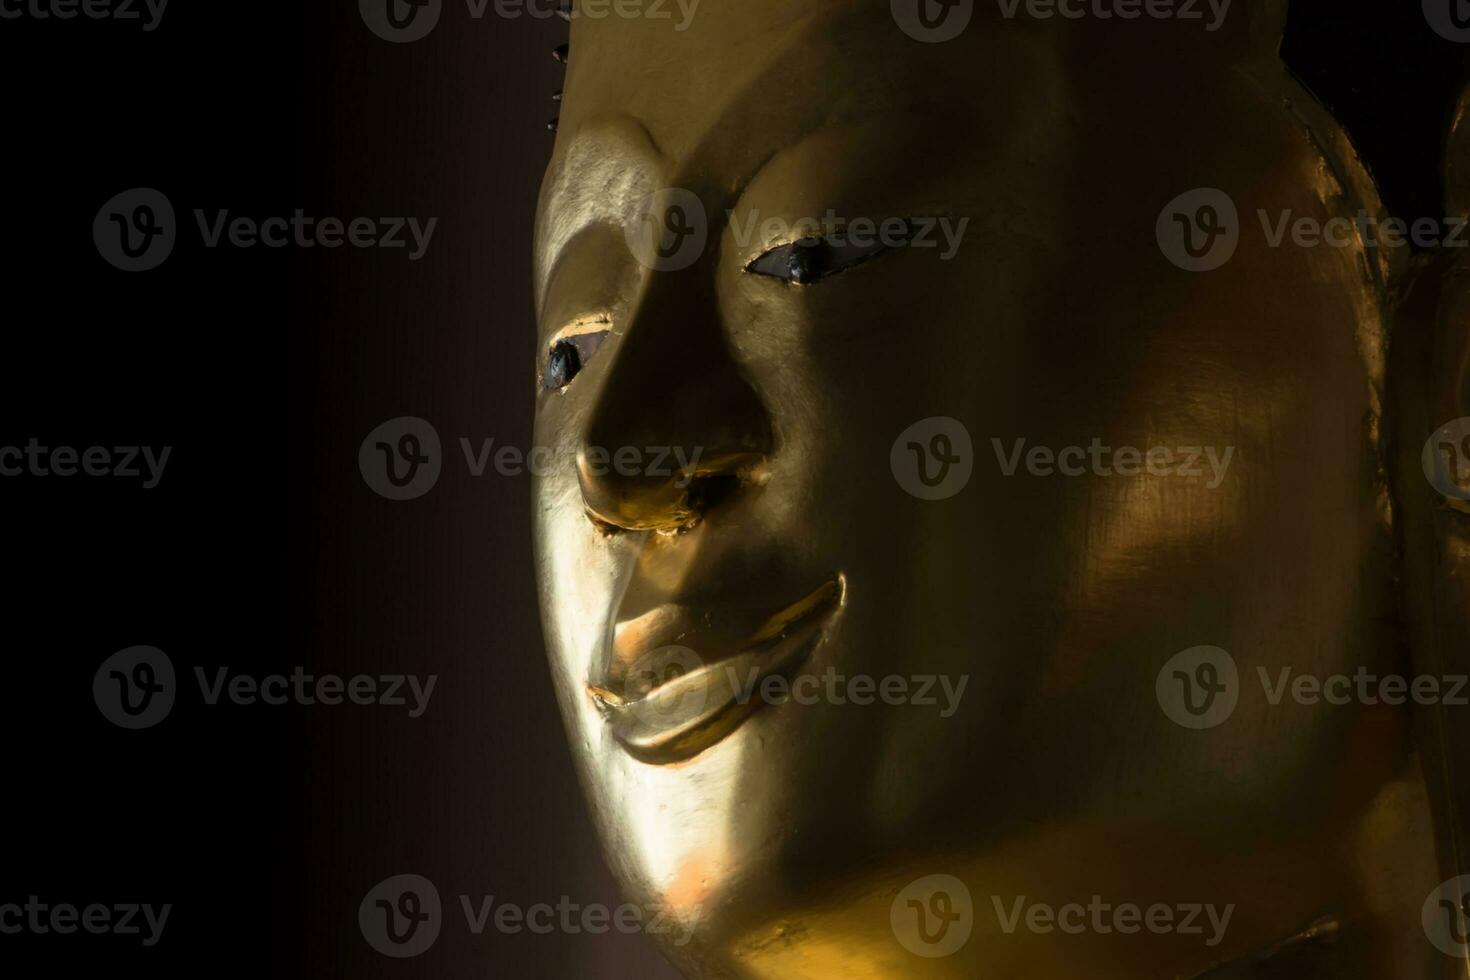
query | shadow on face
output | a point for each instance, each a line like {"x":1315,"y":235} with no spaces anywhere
{"x":940,"y":504}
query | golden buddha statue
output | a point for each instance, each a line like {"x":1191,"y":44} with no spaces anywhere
{"x":992,"y":526}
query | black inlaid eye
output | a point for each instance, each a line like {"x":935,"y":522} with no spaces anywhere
{"x":562,"y":365}
{"x":568,"y":356}
{"x":807,"y":260}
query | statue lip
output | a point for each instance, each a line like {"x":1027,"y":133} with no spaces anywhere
{"x":666,"y":702}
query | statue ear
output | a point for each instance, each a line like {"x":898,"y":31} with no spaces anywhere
{"x":1430,"y":388}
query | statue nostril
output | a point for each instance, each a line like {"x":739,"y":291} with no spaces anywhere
{"x":666,"y":502}
{"x":708,"y":492}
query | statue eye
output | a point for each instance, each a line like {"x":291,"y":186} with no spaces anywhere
{"x":808,"y":259}
{"x":568,"y":356}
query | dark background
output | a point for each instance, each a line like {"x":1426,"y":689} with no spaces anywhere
{"x":262,"y":548}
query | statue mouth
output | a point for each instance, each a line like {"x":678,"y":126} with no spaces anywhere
{"x":681,"y":679}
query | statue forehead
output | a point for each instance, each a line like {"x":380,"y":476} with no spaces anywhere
{"x":648,"y":106}
{"x":680,"y":66}
{"x":679,"y":78}
{"x":704,"y":96}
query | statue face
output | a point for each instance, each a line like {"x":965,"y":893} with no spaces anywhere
{"x":751,"y":491}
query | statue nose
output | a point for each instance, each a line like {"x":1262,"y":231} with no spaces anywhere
{"x":659,"y":488}
{"x":676,"y":431}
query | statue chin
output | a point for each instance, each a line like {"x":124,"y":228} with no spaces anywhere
{"x":993,"y":524}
